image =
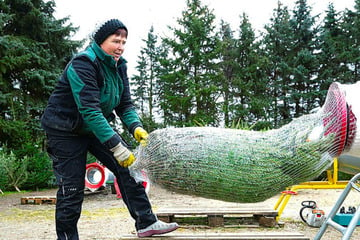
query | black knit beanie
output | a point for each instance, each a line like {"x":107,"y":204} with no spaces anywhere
{"x":106,"y":29}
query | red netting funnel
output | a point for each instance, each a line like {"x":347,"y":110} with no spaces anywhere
{"x":335,"y":118}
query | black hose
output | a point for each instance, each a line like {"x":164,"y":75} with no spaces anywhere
{"x":306,"y":204}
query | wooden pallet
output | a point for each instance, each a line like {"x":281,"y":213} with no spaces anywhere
{"x":224,"y":236}
{"x":220,"y":217}
{"x":38,"y":200}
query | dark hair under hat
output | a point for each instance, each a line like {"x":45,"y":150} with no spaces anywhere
{"x":106,"y":29}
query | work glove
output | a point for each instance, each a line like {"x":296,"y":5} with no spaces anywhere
{"x":123,"y":155}
{"x":141,"y":136}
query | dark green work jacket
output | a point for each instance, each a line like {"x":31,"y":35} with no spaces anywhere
{"x":92,"y":87}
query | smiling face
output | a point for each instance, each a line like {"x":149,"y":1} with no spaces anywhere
{"x":114,"y":45}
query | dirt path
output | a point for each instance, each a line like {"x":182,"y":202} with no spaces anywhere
{"x":105,"y":217}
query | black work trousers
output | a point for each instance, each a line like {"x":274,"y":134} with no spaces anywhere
{"x":69,"y":154}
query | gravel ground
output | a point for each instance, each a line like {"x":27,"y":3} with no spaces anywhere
{"x":105,"y":217}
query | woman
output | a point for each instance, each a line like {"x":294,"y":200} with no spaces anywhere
{"x":94,"y":85}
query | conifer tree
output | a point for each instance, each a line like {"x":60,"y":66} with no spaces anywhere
{"x":147,"y":78}
{"x":291,"y":45}
{"x":330,"y":61}
{"x":304,"y":63}
{"x":350,"y":42}
{"x":139,"y":82}
{"x":34,"y":47}
{"x":192,"y":93}
{"x":278,"y":44}
{"x":250,"y":81}
{"x":227,"y":66}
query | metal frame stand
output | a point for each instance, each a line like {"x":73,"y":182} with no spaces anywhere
{"x":346,"y":231}
{"x":331,"y":183}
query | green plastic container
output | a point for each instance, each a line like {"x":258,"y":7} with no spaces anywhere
{"x":344,"y":219}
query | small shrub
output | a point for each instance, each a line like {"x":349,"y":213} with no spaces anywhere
{"x":14,"y":169}
{"x":40,"y":171}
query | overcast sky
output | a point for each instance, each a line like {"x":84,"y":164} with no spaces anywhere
{"x":140,"y":15}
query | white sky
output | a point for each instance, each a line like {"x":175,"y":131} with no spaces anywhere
{"x":139,"y":15}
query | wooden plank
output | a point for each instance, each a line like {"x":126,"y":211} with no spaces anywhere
{"x":38,"y":200}
{"x":224,"y":236}
{"x":220,"y":211}
{"x":215,"y":220}
{"x":219,"y":217}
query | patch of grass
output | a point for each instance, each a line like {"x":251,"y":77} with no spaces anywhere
{"x":15,"y":214}
{"x":100,"y":212}
{"x":7,"y":193}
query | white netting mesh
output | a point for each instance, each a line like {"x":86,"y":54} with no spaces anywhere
{"x":246,"y":166}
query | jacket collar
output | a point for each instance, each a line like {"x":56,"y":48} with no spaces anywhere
{"x":104,"y":57}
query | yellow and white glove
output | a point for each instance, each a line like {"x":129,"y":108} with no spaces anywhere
{"x":141,"y":136}
{"x":123,"y":155}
